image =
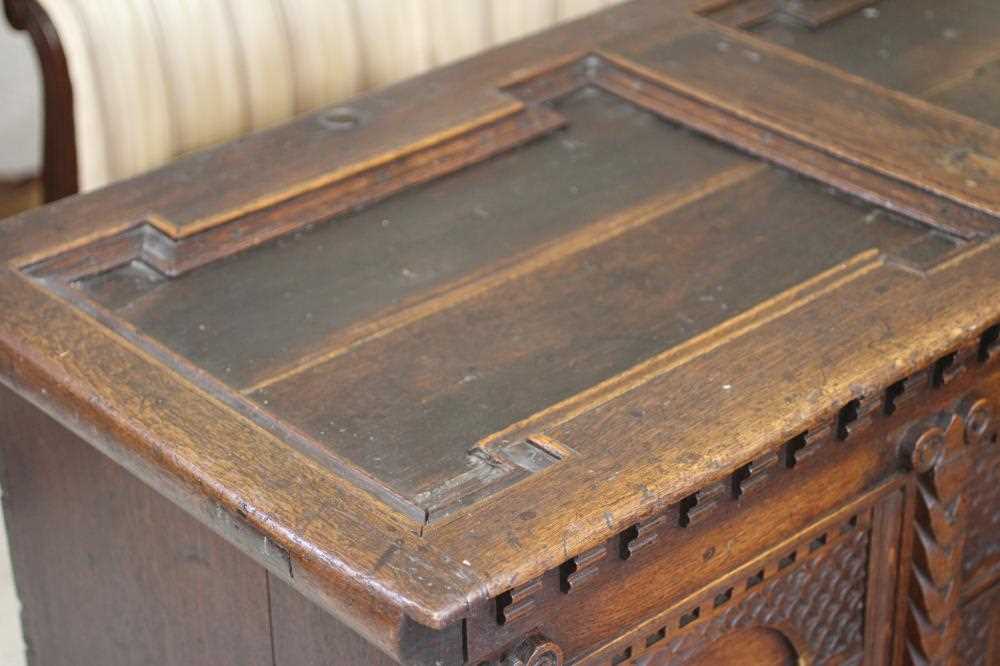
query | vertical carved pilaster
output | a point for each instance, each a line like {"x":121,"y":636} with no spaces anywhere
{"x":940,"y":454}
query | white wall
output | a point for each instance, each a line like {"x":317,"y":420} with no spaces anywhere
{"x":20,"y":155}
{"x":20,"y":105}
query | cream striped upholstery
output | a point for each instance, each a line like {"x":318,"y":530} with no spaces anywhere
{"x":153,"y":79}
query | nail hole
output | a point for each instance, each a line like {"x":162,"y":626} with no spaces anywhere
{"x":341,"y":118}
{"x":566,"y":569}
{"x":503,"y":601}
{"x":686,"y":505}
{"x":626,"y":537}
{"x":817,"y":543}
{"x":791,"y":448}
{"x":739,"y":476}
{"x":851,"y":524}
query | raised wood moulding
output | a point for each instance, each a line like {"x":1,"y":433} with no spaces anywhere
{"x":844,"y":425}
{"x":160,"y":245}
{"x":498,"y":461}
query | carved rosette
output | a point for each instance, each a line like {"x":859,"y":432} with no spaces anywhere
{"x":940,"y":454}
{"x":535,"y":651}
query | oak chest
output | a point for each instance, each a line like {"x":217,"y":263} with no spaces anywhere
{"x":669,"y":336}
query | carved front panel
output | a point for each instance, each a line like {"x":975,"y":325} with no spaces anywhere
{"x":815,"y":611}
{"x":808,"y":595}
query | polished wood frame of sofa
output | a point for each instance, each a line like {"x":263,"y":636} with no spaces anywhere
{"x":59,"y":161}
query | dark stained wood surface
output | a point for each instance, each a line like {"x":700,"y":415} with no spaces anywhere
{"x":672,"y":254}
{"x":701,"y":310}
{"x":324,"y":280}
{"x":305,"y":635}
{"x":915,"y":46}
{"x":538,"y":339}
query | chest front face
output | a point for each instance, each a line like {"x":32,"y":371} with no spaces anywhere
{"x":676,"y":348}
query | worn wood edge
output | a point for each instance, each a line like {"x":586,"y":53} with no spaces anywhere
{"x":737,"y":13}
{"x":866,"y":503}
{"x":321,"y":566}
{"x":246,"y":408}
{"x":630,"y":508}
{"x":897,"y":171}
{"x":733,"y":328}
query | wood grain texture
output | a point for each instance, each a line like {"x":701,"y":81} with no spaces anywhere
{"x":558,"y":510}
{"x":120,"y":418}
{"x":833,"y":581}
{"x":911,"y":46}
{"x":823,"y":106}
{"x":492,"y":407}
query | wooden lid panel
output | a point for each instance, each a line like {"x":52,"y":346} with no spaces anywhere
{"x":398,"y":338}
{"x":893,"y":134}
{"x":261,"y":312}
{"x":914,"y":46}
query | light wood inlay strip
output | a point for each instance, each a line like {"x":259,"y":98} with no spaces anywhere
{"x":802,"y":294}
{"x":519,"y":266}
